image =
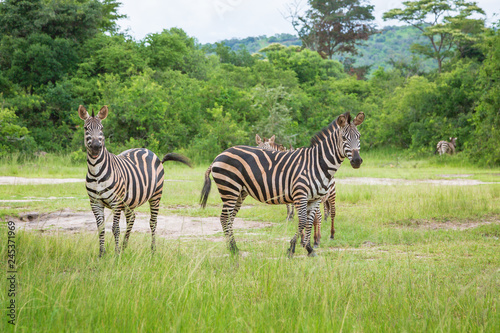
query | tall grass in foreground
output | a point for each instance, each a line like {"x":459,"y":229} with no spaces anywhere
{"x":404,"y":260}
{"x":193,"y":285}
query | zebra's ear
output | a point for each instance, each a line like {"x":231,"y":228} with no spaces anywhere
{"x":271,"y":140}
{"x":258,"y":140}
{"x":103,"y":113}
{"x":82,"y":112}
{"x":341,"y":121}
{"x":359,"y":118}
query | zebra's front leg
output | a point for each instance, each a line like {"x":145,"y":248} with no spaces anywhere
{"x":98,"y":210}
{"x":130,"y":218}
{"x":289,"y":212}
{"x":116,"y":228}
{"x":302,"y":213}
{"x":331,"y":205}
{"x":311,"y":211}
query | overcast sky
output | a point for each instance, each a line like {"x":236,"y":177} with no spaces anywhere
{"x":210,"y":21}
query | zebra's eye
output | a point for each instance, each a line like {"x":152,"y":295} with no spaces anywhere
{"x":344,"y":138}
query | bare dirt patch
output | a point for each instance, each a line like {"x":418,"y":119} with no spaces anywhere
{"x":448,"y":224}
{"x":38,"y":181}
{"x":172,"y":227}
{"x":457,"y":180}
{"x":4,"y":180}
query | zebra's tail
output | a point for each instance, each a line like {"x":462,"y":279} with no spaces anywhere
{"x":206,"y":188}
{"x":177,"y":158}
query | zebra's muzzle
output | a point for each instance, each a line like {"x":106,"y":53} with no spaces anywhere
{"x":94,"y":153}
{"x":356,"y":159}
{"x":95,"y":148}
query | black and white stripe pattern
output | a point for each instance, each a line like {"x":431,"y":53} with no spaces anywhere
{"x":328,"y":200}
{"x":444,"y":147}
{"x":300,"y":177}
{"x":270,"y":144}
{"x":329,"y":206}
{"x":121,"y":182}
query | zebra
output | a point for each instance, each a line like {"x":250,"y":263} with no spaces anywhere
{"x":328,"y":200}
{"x":301,"y":177}
{"x":269,"y":144}
{"x":121,"y":182}
{"x":444,"y":147}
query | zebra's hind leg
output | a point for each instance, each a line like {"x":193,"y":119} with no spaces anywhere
{"x":312,"y":211}
{"x":98,"y":210}
{"x":317,"y":228}
{"x":331,"y":206}
{"x":230,"y":208}
{"x":154,"y":205}
{"x":306,"y":213}
{"x":302,"y":213}
{"x":116,"y":228}
{"x":130,"y":218}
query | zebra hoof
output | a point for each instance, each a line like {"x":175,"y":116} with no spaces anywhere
{"x":316,"y":246}
{"x":290,"y":254}
{"x":332,"y":238}
{"x":312,"y":254}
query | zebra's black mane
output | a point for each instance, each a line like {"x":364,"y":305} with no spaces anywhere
{"x":320,"y":136}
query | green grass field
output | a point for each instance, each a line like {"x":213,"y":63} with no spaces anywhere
{"x":406,"y":258}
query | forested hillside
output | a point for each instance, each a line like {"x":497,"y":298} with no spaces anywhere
{"x":169,"y":93}
{"x":391,"y":45}
{"x":254,"y":44}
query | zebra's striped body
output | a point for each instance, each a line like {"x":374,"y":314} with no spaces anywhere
{"x":121,"y":182}
{"x":328,"y":200}
{"x":300,"y":177}
{"x":269,"y":144}
{"x":444,"y":147}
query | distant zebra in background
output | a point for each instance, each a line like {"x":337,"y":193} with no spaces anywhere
{"x":444,"y":147}
{"x":301,"y":177}
{"x":121,"y":182}
{"x":269,"y":144}
{"x":328,"y":200}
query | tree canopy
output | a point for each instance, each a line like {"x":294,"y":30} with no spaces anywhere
{"x":333,"y":27}
{"x":446,"y":24}
{"x":167,"y":92}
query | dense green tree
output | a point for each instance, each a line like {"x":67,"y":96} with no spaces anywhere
{"x":12,"y":136}
{"x":308,"y":65}
{"x":444,"y":22}
{"x":484,"y":147}
{"x":37,"y":59}
{"x":275,"y":118}
{"x":332,"y":27}
{"x":40,"y":41}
